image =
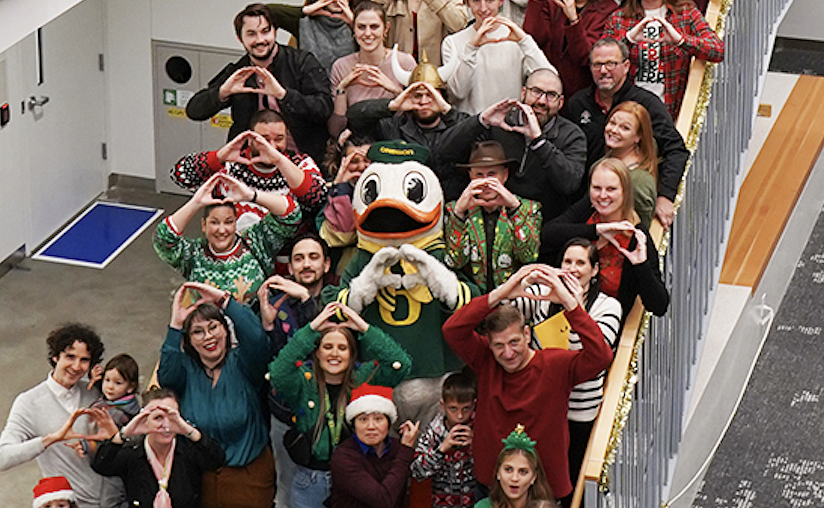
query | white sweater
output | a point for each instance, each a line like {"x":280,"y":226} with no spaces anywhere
{"x":492,"y":72}
{"x":35,"y":413}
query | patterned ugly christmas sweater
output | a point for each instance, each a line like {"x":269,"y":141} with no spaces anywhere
{"x":243,"y":268}
{"x":517,"y":241}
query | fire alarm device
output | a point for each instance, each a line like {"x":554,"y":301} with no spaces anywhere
{"x":5,"y":114}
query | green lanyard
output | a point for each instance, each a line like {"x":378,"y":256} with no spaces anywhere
{"x":335,"y":424}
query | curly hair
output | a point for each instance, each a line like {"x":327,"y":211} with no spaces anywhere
{"x":62,"y":338}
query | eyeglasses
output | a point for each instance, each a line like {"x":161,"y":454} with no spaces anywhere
{"x":596,"y":66}
{"x":537,"y":93}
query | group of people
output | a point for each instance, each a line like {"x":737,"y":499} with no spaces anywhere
{"x":275,"y":383}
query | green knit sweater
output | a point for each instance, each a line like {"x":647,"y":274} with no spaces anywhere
{"x":240,"y":271}
{"x":385,"y":364}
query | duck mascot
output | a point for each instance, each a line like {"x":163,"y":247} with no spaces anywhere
{"x":397,"y":279}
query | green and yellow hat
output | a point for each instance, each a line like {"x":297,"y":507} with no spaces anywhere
{"x":396,"y":152}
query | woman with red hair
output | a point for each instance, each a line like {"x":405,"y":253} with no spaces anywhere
{"x":628,"y":137}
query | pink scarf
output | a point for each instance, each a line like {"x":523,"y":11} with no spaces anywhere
{"x":162,"y":473}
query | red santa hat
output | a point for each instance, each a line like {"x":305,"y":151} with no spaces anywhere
{"x":371,"y":399}
{"x":53,"y":488}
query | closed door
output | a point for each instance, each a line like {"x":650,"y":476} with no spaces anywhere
{"x":63,"y":117}
{"x":179,"y":72}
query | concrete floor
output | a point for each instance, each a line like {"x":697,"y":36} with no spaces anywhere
{"x":128,"y":303}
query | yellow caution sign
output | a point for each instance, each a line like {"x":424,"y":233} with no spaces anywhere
{"x":221,"y":121}
{"x":176,"y":112}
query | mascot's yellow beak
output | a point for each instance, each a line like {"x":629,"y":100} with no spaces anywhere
{"x":396,"y":220}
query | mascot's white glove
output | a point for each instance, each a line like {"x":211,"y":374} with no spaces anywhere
{"x":441,"y":281}
{"x":373,"y":277}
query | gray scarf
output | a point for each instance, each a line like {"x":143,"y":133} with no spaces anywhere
{"x":326,"y":38}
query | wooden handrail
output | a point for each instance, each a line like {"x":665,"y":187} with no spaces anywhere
{"x":613,"y":414}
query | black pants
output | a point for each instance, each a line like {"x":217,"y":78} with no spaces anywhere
{"x":578,"y":438}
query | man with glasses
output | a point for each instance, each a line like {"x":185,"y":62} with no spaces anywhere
{"x":590,"y":107}
{"x":549,"y":150}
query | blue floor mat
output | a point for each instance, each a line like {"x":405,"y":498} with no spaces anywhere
{"x":98,"y":235}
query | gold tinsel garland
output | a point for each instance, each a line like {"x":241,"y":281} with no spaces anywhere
{"x":631,"y":377}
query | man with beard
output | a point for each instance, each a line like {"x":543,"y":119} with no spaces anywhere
{"x":421,"y":115}
{"x":269,"y":76}
{"x":549,"y":150}
{"x":589,"y":108}
{"x":260,"y":159}
{"x":286,"y":305}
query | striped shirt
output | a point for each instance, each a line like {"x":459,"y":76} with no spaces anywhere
{"x":585,"y":399}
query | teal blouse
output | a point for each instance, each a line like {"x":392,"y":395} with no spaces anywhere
{"x":231,"y":412}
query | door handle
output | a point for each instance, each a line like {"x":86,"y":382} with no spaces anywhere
{"x":34,"y":101}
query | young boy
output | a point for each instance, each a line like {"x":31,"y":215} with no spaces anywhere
{"x":490,"y":230}
{"x":444,"y":450}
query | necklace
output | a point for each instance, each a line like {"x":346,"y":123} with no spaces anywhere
{"x":383,"y":56}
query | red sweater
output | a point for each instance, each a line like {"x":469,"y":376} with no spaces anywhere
{"x":567,"y":47}
{"x":536,"y":396}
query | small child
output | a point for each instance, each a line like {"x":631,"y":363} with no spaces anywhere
{"x":444,"y":450}
{"x":120,"y":376}
{"x":54,"y":492}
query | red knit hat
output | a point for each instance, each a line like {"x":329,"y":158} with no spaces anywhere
{"x":53,"y":488}
{"x":371,"y":399}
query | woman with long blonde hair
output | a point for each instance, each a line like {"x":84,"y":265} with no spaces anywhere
{"x":629,"y":259}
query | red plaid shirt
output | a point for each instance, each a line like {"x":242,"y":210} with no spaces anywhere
{"x":700,"y":41}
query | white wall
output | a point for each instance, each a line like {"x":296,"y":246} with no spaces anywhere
{"x":12,"y":161}
{"x":51,"y":155}
{"x":803,"y":21}
{"x":18,"y":18}
{"x":132,"y":25}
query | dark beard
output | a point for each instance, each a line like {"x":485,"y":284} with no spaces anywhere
{"x":267,"y":56}
{"x":427,"y":123}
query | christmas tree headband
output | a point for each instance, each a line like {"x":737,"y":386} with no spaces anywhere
{"x":518,"y":439}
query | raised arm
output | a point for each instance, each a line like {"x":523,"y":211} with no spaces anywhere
{"x":208,"y":101}
{"x":390,"y":364}
{"x":455,"y":232}
{"x":19,"y":443}
{"x":452,"y":13}
{"x":564,"y":159}
{"x":202,"y":198}
{"x":556,"y":232}
{"x":286,"y":370}
{"x":461,"y":80}
{"x":174,"y":364}
{"x":526,"y":224}
{"x":310,"y":100}
{"x":253,"y":343}
{"x":644,"y":275}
